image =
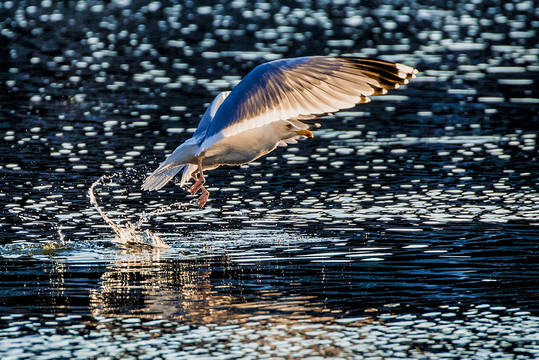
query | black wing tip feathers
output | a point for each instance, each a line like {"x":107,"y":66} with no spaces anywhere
{"x":386,"y":67}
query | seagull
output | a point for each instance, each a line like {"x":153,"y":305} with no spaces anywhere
{"x":275,"y":105}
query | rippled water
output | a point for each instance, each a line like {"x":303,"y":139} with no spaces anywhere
{"x":406,"y":228}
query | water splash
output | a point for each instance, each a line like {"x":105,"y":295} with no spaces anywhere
{"x":130,"y":233}
{"x":56,"y":244}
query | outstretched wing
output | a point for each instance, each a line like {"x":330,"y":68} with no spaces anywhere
{"x":302,"y":87}
{"x":210,"y":113}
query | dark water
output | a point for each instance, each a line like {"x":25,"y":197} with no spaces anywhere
{"x":407,"y":228}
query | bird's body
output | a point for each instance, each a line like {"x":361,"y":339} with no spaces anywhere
{"x":272,"y":106}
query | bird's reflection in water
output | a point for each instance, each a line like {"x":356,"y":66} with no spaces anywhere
{"x":199,"y":291}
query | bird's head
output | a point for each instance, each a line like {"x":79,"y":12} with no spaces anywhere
{"x":295,"y":130}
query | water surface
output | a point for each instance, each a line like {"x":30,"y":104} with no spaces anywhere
{"x":406,"y":228}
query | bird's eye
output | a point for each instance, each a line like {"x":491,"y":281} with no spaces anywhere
{"x":289,"y":126}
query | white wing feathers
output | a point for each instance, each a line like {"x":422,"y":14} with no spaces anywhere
{"x":292,"y":88}
{"x":210,"y":112}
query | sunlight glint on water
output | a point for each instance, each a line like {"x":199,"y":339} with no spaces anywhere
{"x":406,"y":229}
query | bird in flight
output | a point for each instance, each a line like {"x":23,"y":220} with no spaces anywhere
{"x":274,"y":105}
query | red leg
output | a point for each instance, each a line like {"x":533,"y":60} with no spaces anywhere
{"x":199,"y":185}
{"x":196,"y":186}
{"x":199,"y":179}
{"x":203,"y":197}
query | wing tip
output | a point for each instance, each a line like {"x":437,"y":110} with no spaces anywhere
{"x":406,"y":72}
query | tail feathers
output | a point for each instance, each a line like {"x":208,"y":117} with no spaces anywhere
{"x":188,"y":173}
{"x":172,"y":165}
{"x":160,"y":178}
